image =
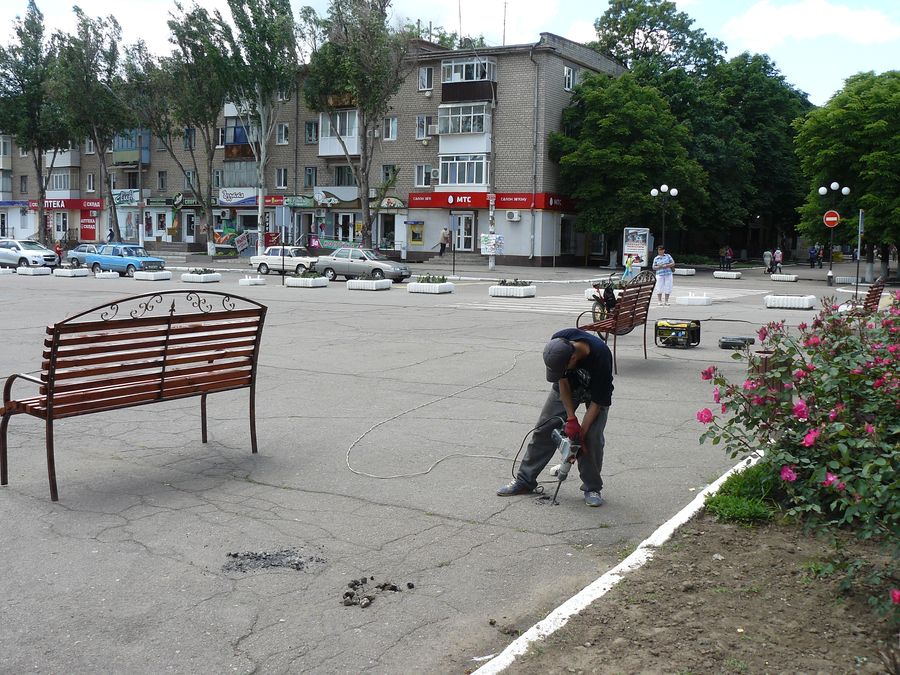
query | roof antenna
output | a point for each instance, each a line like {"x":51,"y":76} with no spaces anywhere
{"x":504,"y":24}
{"x":459,"y":9}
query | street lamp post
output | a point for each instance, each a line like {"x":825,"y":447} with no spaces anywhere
{"x":140,"y":140}
{"x":835,"y":187}
{"x":664,"y":191}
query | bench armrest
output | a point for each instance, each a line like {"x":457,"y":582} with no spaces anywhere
{"x":7,"y":388}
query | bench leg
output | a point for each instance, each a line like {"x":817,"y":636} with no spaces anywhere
{"x":4,"y":476}
{"x":645,"y":340}
{"x":615,"y":363}
{"x":253,"y":418}
{"x":51,"y":462}
{"x":203,"y":417}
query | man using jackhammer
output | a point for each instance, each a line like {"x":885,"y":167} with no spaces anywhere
{"x":580,"y":366}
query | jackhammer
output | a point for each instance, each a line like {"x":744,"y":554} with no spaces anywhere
{"x":568,"y":450}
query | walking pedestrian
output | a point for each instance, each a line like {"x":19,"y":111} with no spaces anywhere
{"x":445,"y":240}
{"x":813,"y":254}
{"x":767,"y":261}
{"x":777,"y":259}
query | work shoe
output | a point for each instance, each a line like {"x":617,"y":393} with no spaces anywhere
{"x":592,"y":498}
{"x":513,"y":488}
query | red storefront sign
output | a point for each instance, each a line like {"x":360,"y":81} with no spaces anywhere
{"x":87,"y":230}
{"x":547,"y":201}
{"x":273,"y":200}
{"x":67,"y":204}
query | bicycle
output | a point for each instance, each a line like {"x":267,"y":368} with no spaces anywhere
{"x":604,"y":300}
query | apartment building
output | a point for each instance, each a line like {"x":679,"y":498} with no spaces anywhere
{"x":464,"y":146}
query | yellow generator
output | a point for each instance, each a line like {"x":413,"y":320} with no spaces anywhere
{"x":682,"y":333}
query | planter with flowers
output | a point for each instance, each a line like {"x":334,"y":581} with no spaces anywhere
{"x":201,"y":276}
{"x":517,"y":288}
{"x":430,"y":284}
{"x":309,"y":279}
{"x":366,"y":282}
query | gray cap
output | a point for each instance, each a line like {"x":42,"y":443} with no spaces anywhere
{"x":557,"y":355}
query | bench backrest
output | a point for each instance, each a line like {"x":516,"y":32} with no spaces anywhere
{"x":873,"y":296}
{"x":151,"y":347}
{"x":633,"y":305}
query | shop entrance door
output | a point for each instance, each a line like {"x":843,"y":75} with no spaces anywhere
{"x":190,"y":225}
{"x":463,"y":226}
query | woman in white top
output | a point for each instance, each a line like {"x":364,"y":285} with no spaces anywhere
{"x":663,"y":264}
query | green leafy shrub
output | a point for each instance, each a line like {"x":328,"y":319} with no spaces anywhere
{"x":431,"y":279}
{"x":745,"y":496}
{"x":202,"y":270}
{"x":822,"y":408}
{"x":514,"y":282}
{"x":311,"y":274}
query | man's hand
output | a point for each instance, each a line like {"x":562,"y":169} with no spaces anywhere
{"x":573,"y":429}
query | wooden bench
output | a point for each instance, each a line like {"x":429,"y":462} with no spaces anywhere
{"x":631,"y":311}
{"x":142,"y":349}
{"x":873,"y":296}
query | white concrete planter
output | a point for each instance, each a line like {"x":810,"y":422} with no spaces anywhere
{"x":306,"y":282}
{"x":783,"y":277}
{"x":684,"y":271}
{"x":512,"y":291}
{"x":422,"y":287}
{"x":692,"y":299}
{"x":846,"y":280}
{"x":252,"y":281}
{"x":106,"y":275}
{"x":210,"y":278}
{"x":71,"y":272}
{"x":152,"y":276}
{"x":369,"y":284}
{"x":7,"y":270}
{"x":33,"y":271}
{"x":720,"y":274}
{"x":790,"y":301}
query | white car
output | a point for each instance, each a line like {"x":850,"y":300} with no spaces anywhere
{"x":283,"y":259}
{"x":25,"y":253}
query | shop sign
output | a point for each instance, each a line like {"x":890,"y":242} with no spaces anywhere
{"x":325,"y":199}
{"x":66,"y":204}
{"x":158,"y":201}
{"x":300,"y":202}
{"x":448,"y":200}
{"x":481,"y":200}
{"x":242,"y":241}
{"x":273,"y":200}
{"x":245,"y":196}
{"x":190,"y":202}
{"x":7,"y":202}
{"x":126,"y":197}
{"x":392,"y":203}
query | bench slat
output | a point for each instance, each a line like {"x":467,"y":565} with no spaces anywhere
{"x":200,"y":357}
{"x":148,"y":321}
{"x":142,"y":352}
{"x":74,"y":385}
{"x":87,"y":344}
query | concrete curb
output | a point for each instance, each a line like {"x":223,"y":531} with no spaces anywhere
{"x":643,"y":554}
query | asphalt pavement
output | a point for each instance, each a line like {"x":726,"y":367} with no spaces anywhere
{"x":386,"y":422}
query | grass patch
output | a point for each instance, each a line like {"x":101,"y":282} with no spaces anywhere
{"x":744,"y":496}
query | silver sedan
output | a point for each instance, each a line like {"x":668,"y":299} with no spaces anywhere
{"x":354,"y":262}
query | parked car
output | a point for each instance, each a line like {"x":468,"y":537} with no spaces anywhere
{"x":124,"y":259}
{"x":353,"y":262}
{"x":26,"y":253}
{"x":77,"y":255}
{"x":283,"y":259}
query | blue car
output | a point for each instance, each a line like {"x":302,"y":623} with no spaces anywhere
{"x":123,"y":258}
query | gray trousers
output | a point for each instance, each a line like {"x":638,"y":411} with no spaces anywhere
{"x":541,"y":449}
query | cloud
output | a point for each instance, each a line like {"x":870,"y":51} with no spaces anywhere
{"x":766,"y":25}
{"x":581,"y":31}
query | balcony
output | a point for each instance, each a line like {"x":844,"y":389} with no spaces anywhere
{"x":5,"y":163}
{"x":63,"y":194}
{"x":330,"y":146}
{"x":460,"y":92}
{"x":126,"y":151}
{"x":64,"y":158}
{"x":237,"y":144}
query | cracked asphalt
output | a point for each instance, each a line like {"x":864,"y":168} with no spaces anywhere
{"x":386,"y":421}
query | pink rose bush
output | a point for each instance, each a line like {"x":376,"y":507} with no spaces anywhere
{"x":822,"y":410}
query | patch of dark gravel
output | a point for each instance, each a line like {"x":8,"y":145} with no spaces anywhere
{"x":250,"y":561}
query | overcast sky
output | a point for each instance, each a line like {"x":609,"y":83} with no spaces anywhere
{"x":816,"y":44}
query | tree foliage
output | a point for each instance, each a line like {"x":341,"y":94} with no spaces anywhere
{"x":357,"y":61}
{"x":443,"y":37}
{"x":854,"y":139}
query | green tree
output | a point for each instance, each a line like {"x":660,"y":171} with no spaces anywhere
{"x":441,"y":36}
{"x":358,"y":61}
{"x":184,"y":94}
{"x":854,"y":139}
{"x":89,"y":78}
{"x":28,"y":109}
{"x":619,"y":140}
{"x":264,"y":67}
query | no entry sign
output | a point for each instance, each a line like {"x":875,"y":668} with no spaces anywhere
{"x":831,"y":218}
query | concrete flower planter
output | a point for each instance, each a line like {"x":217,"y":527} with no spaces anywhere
{"x":790,"y":301}
{"x":692,"y":299}
{"x":846,"y":280}
{"x":369,"y":284}
{"x":106,"y":275}
{"x":721,"y":274}
{"x":512,"y":291}
{"x":153,"y":276}
{"x":33,"y":271}
{"x":306,"y":282}
{"x":210,"y":278}
{"x":783,"y":277}
{"x":7,"y":270}
{"x":422,"y":287}
{"x":684,"y":271}
{"x":252,"y":281}
{"x":71,"y":272}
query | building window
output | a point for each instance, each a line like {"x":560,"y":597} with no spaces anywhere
{"x":388,"y":173}
{"x":463,"y":119}
{"x":426,"y":78}
{"x":343,"y":176}
{"x":90,"y":183}
{"x":423,"y":175}
{"x":284,"y":96}
{"x":162,"y":181}
{"x":217,"y":178}
{"x":471,"y":69}
{"x":281,"y":133}
{"x":188,"y":179}
{"x":59,"y":180}
{"x":281,"y":179}
{"x":160,"y":143}
{"x":112,"y":181}
{"x":220,"y":137}
{"x":23,"y":152}
{"x":389,"y":129}
{"x":341,"y":122}
{"x":311,"y":132}
{"x":4,"y":146}
{"x":190,"y":138}
{"x":132,"y":180}
{"x":310,"y":175}
{"x":568,"y":78}
{"x":23,"y":184}
{"x":89,"y":146}
{"x":464,"y":170}
{"x":422,"y":124}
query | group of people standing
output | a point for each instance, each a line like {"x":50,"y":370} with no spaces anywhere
{"x":773,"y":260}
{"x":726,"y":257}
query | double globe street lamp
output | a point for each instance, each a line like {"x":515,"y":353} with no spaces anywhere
{"x":664,"y":191}
{"x":831,"y":220}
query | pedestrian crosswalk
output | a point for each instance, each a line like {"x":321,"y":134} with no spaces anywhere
{"x":575,"y":303}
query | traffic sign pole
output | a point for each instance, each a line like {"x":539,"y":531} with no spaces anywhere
{"x":831,"y":220}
